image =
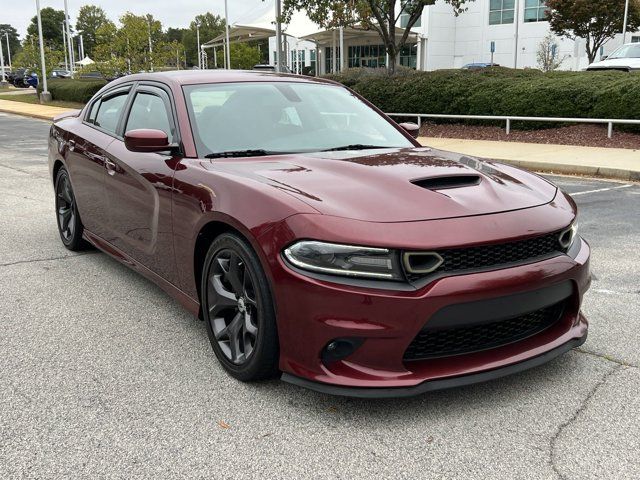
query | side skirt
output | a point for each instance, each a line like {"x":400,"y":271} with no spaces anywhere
{"x":193,"y":306}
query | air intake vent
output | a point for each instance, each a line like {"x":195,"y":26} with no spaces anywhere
{"x":453,"y":181}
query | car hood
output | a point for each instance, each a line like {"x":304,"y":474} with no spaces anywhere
{"x":633,"y":63}
{"x":397,"y":185}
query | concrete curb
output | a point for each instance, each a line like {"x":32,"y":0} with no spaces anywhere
{"x":566,"y":169}
{"x":27,"y":114}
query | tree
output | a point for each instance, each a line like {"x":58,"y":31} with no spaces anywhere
{"x":379,"y":15}
{"x":29,"y":58}
{"x":14,"y":39}
{"x":90,"y":19}
{"x":244,"y":56}
{"x":210,"y":27}
{"x":596,"y":21}
{"x":548,"y":57}
{"x":51,"y":27}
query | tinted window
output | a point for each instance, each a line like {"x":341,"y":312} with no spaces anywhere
{"x":109,"y":112}
{"x":94,"y":110}
{"x":149,"y":111}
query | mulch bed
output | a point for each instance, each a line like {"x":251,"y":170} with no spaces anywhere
{"x":582,"y":135}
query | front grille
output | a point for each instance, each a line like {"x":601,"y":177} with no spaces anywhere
{"x":456,"y":341}
{"x":485,"y":256}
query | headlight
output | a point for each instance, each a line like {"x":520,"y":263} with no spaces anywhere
{"x":568,"y":236}
{"x":345,"y":260}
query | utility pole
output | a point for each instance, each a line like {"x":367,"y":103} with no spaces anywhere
{"x":278,"y":36}
{"x":81,"y":48}
{"x":6,"y":34}
{"x":626,"y":20}
{"x":226,"y":29}
{"x":45,"y":96}
{"x":69,"y":39}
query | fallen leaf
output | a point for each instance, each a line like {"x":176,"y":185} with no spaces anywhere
{"x":223,"y":424}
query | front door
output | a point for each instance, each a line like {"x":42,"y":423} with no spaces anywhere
{"x":139,"y":186}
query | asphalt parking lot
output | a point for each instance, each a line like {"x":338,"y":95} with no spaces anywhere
{"x":103,"y":375}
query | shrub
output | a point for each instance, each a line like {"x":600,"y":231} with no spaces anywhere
{"x":501,"y":91}
{"x":73,"y":90}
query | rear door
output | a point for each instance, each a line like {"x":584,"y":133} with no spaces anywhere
{"x":139,"y":185}
{"x":87,"y":157}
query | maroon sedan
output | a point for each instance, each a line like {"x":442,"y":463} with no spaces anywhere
{"x":316,"y":237}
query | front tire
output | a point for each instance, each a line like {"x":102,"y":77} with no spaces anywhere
{"x":70,"y":226}
{"x":238,"y":310}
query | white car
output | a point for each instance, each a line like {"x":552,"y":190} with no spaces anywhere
{"x":625,"y":58}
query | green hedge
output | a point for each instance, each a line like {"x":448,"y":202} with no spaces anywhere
{"x":500,"y":91}
{"x":73,"y":90}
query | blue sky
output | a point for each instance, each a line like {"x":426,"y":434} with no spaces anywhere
{"x":175,"y":13}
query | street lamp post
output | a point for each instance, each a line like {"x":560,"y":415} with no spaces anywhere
{"x":626,"y":20}
{"x":45,"y":96}
{"x":517,"y":20}
{"x":69,"y":39}
{"x":64,"y":47}
{"x":6,"y":34}
{"x":3,"y":82}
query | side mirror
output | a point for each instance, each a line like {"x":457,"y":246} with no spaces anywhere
{"x":411,"y":128}
{"x":146,"y":140}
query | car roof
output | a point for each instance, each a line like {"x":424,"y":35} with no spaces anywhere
{"x":198,"y":77}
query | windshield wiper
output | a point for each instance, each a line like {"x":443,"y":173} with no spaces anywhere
{"x":355,"y":146}
{"x":242,"y":153}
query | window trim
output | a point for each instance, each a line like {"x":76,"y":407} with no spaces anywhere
{"x":164,"y":93}
{"x":112,"y":92}
{"x":501,"y":10}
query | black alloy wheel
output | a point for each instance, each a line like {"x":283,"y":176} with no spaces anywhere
{"x":69,"y":224}
{"x":238,"y":310}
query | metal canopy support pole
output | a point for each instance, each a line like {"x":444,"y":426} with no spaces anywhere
{"x":278,"y":36}
{"x":626,"y":20}
{"x":198,"y":41}
{"x":226,"y":30}
{"x":333,"y":52}
{"x":215,"y":58}
{"x":45,"y":92}
{"x":341,"y":48}
{"x":64,"y":47}
{"x":517,"y":20}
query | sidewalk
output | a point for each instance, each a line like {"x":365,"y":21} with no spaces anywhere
{"x":33,"y":110}
{"x":619,"y":163}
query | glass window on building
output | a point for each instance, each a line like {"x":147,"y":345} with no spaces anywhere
{"x":404,"y":20}
{"x":535,"y":11}
{"x":409,"y":56}
{"x":371,"y":56}
{"x":635,"y":39}
{"x":313,"y":62}
{"x":329,"y":57}
{"x":501,"y":11}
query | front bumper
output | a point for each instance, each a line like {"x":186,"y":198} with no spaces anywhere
{"x":312,"y":313}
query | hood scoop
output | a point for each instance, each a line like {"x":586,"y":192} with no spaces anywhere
{"x":447,"y":182}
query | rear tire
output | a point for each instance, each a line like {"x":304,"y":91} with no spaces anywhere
{"x":238,"y":310}
{"x":70,"y":226}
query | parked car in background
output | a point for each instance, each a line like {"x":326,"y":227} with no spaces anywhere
{"x":31,"y":80}
{"x":625,"y":58}
{"x":17,"y":78}
{"x":271,"y":68}
{"x":60,"y":73}
{"x":479,"y":66}
{"x":91,"y":75}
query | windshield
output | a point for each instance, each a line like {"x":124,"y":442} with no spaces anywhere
{"x":627,"y":51}
{"x":284,"y":117}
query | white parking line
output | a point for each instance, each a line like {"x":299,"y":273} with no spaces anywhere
{"x":601,"y":190}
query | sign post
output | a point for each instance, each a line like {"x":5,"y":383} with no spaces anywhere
{"x":493,"y":50}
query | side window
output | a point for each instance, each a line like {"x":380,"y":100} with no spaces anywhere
{"x":109,"y":112}
{"x":91,"y":118}
{"x":149,"y":111}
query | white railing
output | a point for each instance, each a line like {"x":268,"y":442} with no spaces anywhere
{"x":508,"y":119}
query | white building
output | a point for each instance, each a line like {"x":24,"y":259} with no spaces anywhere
{"x":439,"y":40}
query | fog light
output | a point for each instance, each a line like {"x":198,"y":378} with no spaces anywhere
{"x":340,"y":348}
